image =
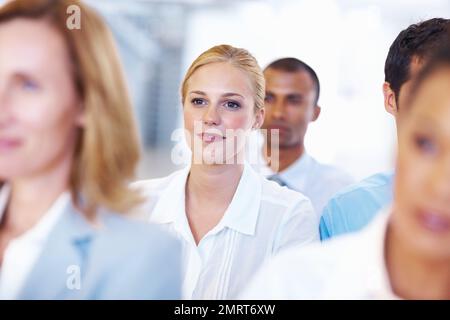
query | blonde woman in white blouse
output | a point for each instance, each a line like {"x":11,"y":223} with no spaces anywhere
{"x":229,"y":218}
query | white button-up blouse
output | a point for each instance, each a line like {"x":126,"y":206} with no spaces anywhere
{"x":262,"y":219}
{"x":22,"y":252}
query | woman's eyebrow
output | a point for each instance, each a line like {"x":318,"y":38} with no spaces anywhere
{"x":232,"y":94}
{"x":225,"y":95}
{"x":198,"y":92}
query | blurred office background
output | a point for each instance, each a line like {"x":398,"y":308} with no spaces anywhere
{"x":345,"y":41}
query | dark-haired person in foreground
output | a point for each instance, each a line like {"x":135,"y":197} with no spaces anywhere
{"x":405,"y":252}
{"x":292,"y":95}
{"x":353,"y":207}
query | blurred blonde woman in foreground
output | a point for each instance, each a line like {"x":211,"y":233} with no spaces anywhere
{"x":68,"y":148}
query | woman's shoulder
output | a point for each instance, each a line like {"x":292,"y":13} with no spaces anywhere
{"x":311,"y":272}
{"x":155,"y":185}
{"x":122,"y":229}
{"x":274,"y":193}
{"x":152,"y":190}
{"x":140,"y":258}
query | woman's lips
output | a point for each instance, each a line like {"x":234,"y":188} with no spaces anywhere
{"x":7,"y":144}
{"x":210,"y":137}
{"x":434,"y":221}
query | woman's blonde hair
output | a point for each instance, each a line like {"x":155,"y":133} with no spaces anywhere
{"x":107,"y":148}
{"x":238,"y":57}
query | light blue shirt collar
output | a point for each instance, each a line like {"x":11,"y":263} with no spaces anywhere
{"x":295,"y":176}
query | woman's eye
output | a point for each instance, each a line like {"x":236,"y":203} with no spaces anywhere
{"x":198,"y":102}
{"x":425,"y":144}
{"x":232,"y":105}
{"x":29,"y":85}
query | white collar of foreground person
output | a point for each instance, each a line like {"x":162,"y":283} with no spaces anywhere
{"x":28,"y":258}
{"x":347,"y":267}
{"x":247,"y":198}
{"x":40,"y":231}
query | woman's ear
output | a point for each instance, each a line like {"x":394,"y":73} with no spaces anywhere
{"x":390,"y":103}
{"x":259,"y":118}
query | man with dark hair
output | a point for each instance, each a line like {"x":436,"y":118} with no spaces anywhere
{"x":292,"y":95}
{"x":352,"y":208}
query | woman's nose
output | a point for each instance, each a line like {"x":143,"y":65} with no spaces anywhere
{"x":440,"y":182}
{"x":211,"y":116}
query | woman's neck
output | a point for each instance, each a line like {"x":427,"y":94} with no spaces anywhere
{"x":412,"y":275}
{"x":215,"y":182}
{"x":209,"y":192}
{"x":31,"y":197}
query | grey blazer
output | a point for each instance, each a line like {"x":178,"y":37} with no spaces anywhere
{"x":121,"y":260}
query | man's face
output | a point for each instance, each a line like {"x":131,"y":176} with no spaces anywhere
{"x":290,"y":105}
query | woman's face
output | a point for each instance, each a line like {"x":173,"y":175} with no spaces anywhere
{"x":39,"y":106}
{"x":422,"y":186}
{"x":219,"y":112}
